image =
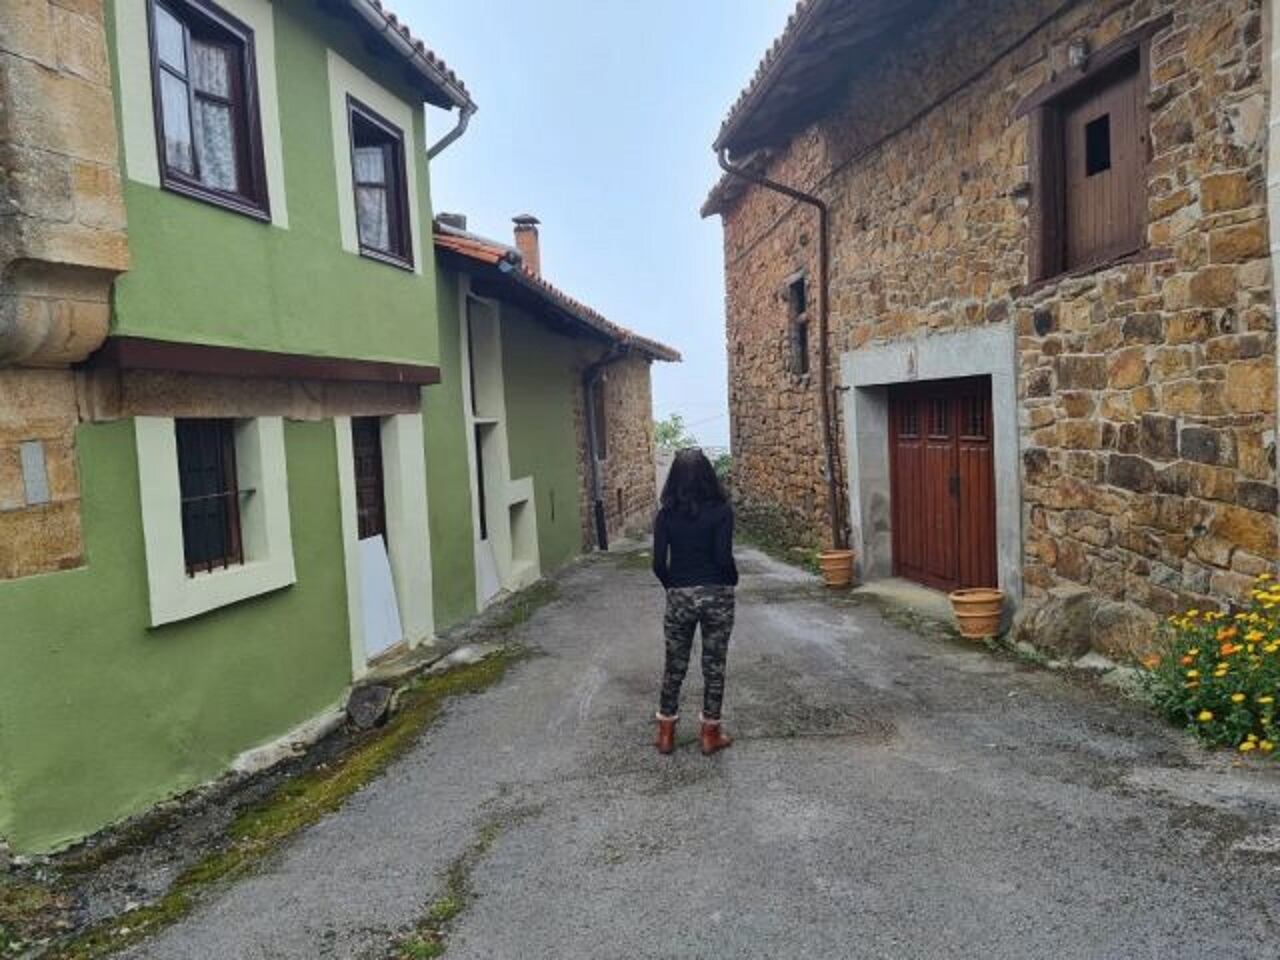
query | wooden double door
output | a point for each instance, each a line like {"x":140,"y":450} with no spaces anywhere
{"x":942,"y":479}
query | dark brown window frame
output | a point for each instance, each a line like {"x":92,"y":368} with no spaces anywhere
{"x":399,"y":210}
{"x":230,"y":494}
{"x":1047,"y":254}
{"x":250,"y":161}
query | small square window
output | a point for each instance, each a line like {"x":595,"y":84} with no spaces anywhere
{"x":380,"y":186}
{"x":208,"y":131}
{"x":1097,"y":146}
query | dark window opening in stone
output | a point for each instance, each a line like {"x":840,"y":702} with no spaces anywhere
{"x":1097,"y":149}
{"x":800,"y":347}
{"x":797,"y":296}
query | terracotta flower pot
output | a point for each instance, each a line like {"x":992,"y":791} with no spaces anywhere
{"x":978,"y":611}
{"x":837,"y":568}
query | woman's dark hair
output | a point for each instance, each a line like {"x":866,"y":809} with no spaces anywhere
{"x":692,"y":483}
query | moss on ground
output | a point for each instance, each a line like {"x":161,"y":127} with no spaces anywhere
{"x":430,"y":936}
{"x":522,"y":606}
{"x":632,"y":559}
{"x":296,"y":804}
{"x":29,"y":914}
{"x":782,"y":534}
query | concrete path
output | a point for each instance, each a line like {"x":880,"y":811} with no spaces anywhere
{"x":889,"y":796}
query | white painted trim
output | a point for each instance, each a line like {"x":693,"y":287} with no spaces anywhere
{"x":404,"y":481}
{"x":989,"y":351}
{"x":344,"y":79}
{"x":141,"y":159}
{"x":514,"y":554}
{"x":264,"y":521}
{"x":404,"y":466}
{"x":350,"y":544}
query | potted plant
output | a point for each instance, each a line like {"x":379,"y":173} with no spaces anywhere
{"x":978,"y":611}
{"x":837,"y":568}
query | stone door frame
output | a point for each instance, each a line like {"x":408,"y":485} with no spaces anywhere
{"x":866,"y":375}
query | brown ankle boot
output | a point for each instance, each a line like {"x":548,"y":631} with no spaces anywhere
{"x":666,"y":741}
{"x":714,"y":738}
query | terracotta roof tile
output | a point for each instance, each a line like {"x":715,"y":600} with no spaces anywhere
{"x":491,"y":253}
{"x":424,"y":61}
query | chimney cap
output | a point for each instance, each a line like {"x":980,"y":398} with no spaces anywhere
{"x":456,"y":220}
{"x":525,"y":220}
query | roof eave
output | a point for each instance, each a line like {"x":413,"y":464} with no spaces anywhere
{"x":451,"y":92}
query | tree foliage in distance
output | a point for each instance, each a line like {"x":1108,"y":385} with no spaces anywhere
{"x":671,"y":434}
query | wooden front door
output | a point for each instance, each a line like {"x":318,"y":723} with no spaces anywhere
{"x":366,"y":447}
{"x":943,"y":483}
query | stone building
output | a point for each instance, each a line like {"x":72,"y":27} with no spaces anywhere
{"x":1051,"y":340}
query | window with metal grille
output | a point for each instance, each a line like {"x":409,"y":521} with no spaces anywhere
{"x":381,"y":186}
{"x":210,"y":494}
{"x":208,"y":130}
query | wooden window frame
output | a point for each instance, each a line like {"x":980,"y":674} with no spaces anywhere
{"x":230,"y":493}
{"x":1047,"y":260}
{"x":253,"y":200}
{"x":399,"y":226}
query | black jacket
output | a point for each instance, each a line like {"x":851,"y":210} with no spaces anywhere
{"x":697,"y":550}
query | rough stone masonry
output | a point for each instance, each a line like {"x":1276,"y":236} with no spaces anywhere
{"x":1146,"y":388}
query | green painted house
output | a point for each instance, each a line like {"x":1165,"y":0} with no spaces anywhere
{"x":254,"y":446}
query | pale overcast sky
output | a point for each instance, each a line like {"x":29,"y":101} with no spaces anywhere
{"x":597,"y":117}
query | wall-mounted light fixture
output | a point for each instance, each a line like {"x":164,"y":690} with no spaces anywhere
{"x":1078,"y":53}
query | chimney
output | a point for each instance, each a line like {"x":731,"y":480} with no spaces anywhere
{"x":456,"y":220}
{"x":527,"y":242}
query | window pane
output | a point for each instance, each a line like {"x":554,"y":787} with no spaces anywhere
{"x":170,"y":45}
{"x":371,"y":216}
{"x":206,"y":473}
{"x":216,"y":145}
{"x":211,"y":68}
{"x":371,"y":164}
{"x":177,"y":122}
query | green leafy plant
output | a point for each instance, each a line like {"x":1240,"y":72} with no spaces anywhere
{"x":1219,"y":674}
{"x":671,"y":433}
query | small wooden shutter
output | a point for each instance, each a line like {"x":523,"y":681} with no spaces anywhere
{"x":1103,"y":160}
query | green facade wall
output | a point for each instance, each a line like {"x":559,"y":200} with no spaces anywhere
{"x":100,"y":715}
{"x":202,"y":274}
{"x":539,"y":378}
{"x":453,"y":569}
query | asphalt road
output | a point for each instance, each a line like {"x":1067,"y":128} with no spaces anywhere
{"x":889,"y":796}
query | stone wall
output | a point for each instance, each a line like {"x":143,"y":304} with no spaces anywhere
{"x":1147,"y":389}
{"x":629,"y":487}
{"x":62,"y":242}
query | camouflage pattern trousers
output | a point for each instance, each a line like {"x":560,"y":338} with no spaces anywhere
{"x":687,"y":608}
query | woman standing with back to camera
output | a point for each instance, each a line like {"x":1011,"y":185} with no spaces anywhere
{"x":693,"y":557}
